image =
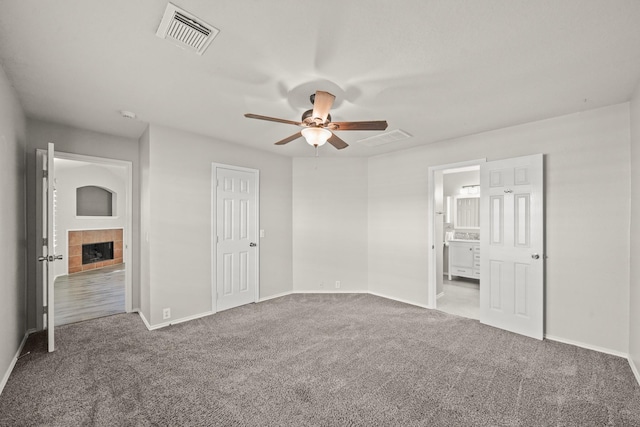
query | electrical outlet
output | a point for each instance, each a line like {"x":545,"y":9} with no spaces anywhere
{"x":337,"y":284}
{"x":166,"y":313}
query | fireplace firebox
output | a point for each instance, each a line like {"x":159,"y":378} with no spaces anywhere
{"x":97,"y":252}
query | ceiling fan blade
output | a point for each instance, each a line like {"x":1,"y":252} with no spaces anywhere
{"x":322,"y":104}
{"x":272,"y":119}
{"x":370,"y":125}
{"x":289,"y":139}
{"x":337,"y":142}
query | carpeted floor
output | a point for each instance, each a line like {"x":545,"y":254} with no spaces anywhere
{"x":315,"y":360}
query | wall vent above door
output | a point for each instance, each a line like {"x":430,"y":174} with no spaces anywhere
{"x":185,"y":30}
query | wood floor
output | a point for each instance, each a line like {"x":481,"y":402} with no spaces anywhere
{"x":89,"y":294}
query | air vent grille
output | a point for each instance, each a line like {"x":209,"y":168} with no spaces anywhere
{"x":185,"y":30}
{"x":385,"y":138}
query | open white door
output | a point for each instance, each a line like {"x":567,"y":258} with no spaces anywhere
{"x":236,"y":251}
{"x":48,"y":256}
{"x":512,"y":244}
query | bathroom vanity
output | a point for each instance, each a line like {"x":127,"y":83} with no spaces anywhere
{"x":464,"y":258}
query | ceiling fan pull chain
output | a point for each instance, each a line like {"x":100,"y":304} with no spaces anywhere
{"x":316,"y":150}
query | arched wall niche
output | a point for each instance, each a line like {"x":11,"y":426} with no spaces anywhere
{"x":92,"y":200}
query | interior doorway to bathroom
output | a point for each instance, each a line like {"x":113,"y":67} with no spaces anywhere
{"x":454,"y":285}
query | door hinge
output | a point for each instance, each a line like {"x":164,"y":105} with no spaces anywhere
{"x":45,"y":310}
{"x":45,"y":173}
{"x":45,"y":241}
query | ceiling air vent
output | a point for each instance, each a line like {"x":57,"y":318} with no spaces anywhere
{"x":185,"y":30}
{"x":385,"y":138}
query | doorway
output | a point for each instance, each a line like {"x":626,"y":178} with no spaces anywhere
{"x":453,"y":218}
{"x":459,"y":290}
{"x":511,"y":250}
{"x":92,"y":197}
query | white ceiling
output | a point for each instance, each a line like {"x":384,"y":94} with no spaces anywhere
{"x":437,"y":69}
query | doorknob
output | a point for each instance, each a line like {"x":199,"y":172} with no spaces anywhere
{"x":49,"y":258}
{"x":253,"y":245}
{"x":535,"y":256}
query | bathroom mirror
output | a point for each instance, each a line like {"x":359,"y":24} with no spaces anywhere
{"x":466,"y":212}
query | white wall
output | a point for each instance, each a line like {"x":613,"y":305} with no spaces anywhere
{"x":68,"y":179}
{"x":78,"y":141}
{"x":177,"y":178}
{"x":329,"y":224}
{"x":145,"y":225}
{"x":634,"y":294}
{"x":587,"y":218}
{"x":13,"y":254}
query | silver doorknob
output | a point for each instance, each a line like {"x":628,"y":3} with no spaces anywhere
{"x":253,"y":245}
{"x":535,"y":256}
{"x":49,"y":258}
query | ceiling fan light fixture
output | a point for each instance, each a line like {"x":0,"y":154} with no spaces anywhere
{"x":316,"y":136}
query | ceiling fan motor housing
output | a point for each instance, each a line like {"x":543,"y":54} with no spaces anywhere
{"x":309,"y":120}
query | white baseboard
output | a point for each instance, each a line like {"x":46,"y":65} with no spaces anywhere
{"x":634,"y":369}
{"x":144,"y":319}
{"x":173,"y":322}
{"x":587,"y":346}
{"x":399,"y":300}
{"x":7,"y":374}
{"x":329,"y":291}
{"x":282,"y":294}
{"x":194,"y":317}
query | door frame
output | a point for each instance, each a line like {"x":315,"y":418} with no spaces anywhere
{"x":431,"y":225}
{"x":214,"y":248}
{"x":128,"y":247}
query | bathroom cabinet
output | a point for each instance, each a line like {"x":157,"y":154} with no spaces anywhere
{"x":464,"y":259}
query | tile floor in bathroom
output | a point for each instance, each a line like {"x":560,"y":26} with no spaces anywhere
{"x":461,"y":297}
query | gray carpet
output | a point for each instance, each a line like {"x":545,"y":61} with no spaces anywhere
{"x":315,"y":360}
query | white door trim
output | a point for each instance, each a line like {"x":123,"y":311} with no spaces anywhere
{"x":128,"y":213}
{"x":431,"y":225}
{"x":214,"y":194}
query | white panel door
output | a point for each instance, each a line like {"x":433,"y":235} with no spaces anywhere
{"x":48,"y":256}
{"x":236,"y":236}
{"x":512,"y":244}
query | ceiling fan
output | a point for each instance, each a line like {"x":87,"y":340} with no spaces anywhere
{"x":317,"y":123}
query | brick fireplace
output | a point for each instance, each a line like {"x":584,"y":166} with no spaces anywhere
{"x":95,"y":241}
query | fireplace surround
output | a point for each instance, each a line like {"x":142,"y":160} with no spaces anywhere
{"x":86,"y":238}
